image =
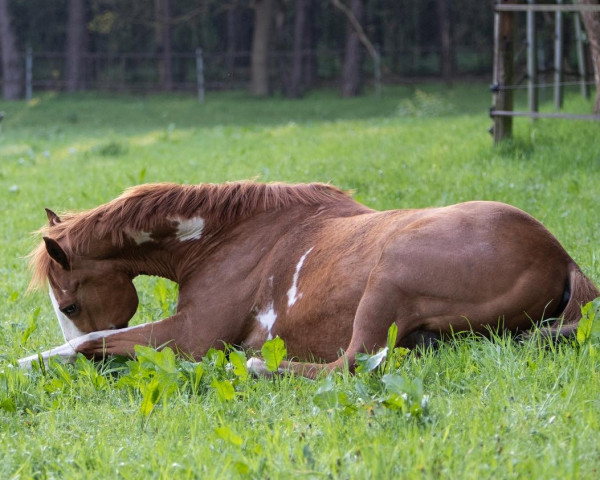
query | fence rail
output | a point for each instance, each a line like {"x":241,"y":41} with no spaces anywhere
{"x":532,"y":7}
{"x":503,"y":86}
{"x":141,"y":71}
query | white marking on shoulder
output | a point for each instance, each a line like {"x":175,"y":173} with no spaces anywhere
{"x":69,"y":329}
{"x":188,"y":228}
{"x":140,"y":237}
{"x":267,"y":319}
{"x":293,"y":294}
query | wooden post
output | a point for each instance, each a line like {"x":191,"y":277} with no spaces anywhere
{"x":532,"y":91}
{"x":200,"y":75}
{"x":28,"y":74}
{"x":581,"y":65}
{"x":377,"y":71}
{"x":504,"y":46}
{"x":558,"y":58}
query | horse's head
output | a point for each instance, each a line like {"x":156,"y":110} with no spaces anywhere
{"x":87,"y":294}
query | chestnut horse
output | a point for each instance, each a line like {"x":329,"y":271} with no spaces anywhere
{"x":305,"y":262}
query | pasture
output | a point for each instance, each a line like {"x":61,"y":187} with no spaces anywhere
{"x":472,"y":409}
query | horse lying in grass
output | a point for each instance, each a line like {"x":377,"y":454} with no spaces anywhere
{"x":305,"y":262}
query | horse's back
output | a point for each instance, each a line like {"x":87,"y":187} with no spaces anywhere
{"x":479,"y":261}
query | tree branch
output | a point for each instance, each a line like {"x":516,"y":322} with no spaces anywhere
{"x":357,"y":27}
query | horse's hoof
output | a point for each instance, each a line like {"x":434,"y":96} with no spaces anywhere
{"x":258,"y":368}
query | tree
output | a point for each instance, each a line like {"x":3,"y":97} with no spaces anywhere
{"x":591,"y":21}
{"x":76,"y":44}
{"x":259,"y":69}
{"x":11,"y":61}
{"x":231,"y":35}
{"x":443,"y":11}
{"x":299,"y":64}
{"x":163,"y":43}
{"x":351,"y":70}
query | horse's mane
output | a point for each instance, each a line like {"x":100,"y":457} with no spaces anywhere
{"x":143,"y":207}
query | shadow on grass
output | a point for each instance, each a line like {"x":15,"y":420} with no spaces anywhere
{"x":88,"y":110}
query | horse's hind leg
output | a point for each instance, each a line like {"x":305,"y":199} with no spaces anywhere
{"x":381,"y":305}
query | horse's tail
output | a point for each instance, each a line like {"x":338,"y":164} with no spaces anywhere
{"x":579,"y":290}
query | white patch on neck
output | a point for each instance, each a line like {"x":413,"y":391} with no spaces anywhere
{"x":140,"y":237}
{"x":188,"y":228}
{"x":267,"y":319}
{"x":293,"y":294}
{"x":69,"y":329}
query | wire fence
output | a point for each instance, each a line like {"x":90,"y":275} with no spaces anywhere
{"x":141,"y":72}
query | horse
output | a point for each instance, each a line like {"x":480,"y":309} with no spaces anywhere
{"x":304,"y":262}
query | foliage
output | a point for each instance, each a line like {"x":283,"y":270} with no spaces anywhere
{"x":588,"y":331}
{"x":374,"y":390}
{"x":273,"y":351}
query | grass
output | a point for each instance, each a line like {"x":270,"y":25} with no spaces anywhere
{"x":495,"y":408}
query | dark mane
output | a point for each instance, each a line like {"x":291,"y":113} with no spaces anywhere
{"x":143,"y":207}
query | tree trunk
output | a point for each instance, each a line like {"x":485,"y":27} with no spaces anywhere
{"x":309,"y":68}
{"x":351,"y":74}
{"x":11,"y":61}
{"x":163,"y":43}
{"x":390,"y":28}
{"x":295,"y":87}
{"x":263,"y":19}
{"x":444,"y":22}
{"x":76,"y":44}
{"x":591,"y":21}
{"x":232,"y":28}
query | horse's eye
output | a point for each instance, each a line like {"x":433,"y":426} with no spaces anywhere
{"x":69,"y":310}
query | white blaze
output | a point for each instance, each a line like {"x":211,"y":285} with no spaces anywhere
{"x":293,"y":295}
{"x":69,"y":329}
{"x":267,"y":319}
{"x":188,"y":228}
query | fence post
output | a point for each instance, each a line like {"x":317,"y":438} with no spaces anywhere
{"x":558,"y":58}
{"x":200,"y":75}
{"x":532,"y":91}
{"x":28,"y":74}
{"x":377,"y":71}
{"x":585,"y":91}
{"x":504,"y":65}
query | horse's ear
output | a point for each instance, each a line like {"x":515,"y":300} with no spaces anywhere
{"x":53,"y":218}
{"x":57,"y":253}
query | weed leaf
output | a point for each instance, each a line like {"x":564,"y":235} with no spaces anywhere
{"x":391,"y":337}
{"x":225,"y":433}
{"x":238,"y":362}
{"x":589,"y":325}
{"x":242,"y":468}
{"x":367,"y":363}
{"x":151,"y":395}
{"x":224,"y":389}
{"x":328,"y":397}
{"x":216,"y":357}
{"x":31,"y":326}
{"x":273,"y":351}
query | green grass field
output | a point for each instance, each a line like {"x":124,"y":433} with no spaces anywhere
{"x":473,"y":409}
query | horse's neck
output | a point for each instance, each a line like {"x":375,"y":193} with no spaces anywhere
{"x":179,"y":253}
{"x":156,"y":262}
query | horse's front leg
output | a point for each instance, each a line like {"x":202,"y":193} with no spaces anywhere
{"x":171,"y":331}
{"x":175,"y":332}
